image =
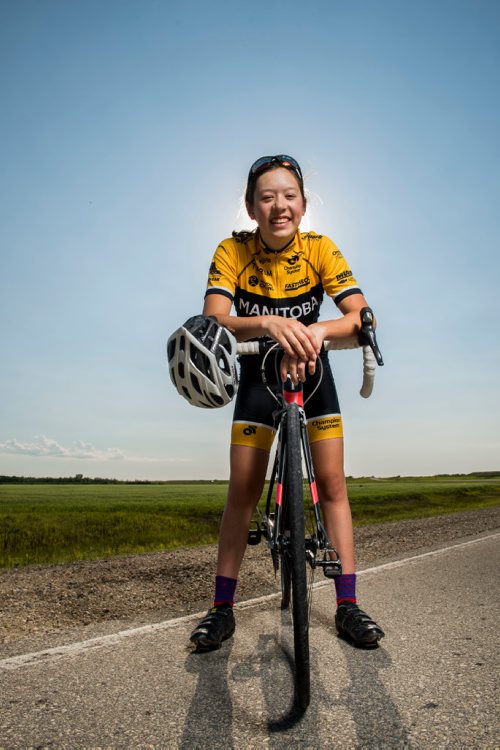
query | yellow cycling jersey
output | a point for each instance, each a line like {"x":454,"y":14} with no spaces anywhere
{"x":290,"y":282}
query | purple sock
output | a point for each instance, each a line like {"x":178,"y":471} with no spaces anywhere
{"x":224,"y":590}
{"x":345,"y":588}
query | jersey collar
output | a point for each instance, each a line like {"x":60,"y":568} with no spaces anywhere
{"x":262,"y":247}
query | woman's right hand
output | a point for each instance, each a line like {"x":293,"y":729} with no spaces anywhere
{"x":299,"y":343}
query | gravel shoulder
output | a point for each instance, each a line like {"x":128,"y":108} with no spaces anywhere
{"x":42,"y":605}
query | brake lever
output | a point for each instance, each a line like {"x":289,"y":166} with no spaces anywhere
{"x":366,"y":334}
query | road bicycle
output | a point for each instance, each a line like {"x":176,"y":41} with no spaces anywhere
{"x":298,"y":540}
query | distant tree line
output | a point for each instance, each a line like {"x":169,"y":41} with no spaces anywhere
{"x":80,"y":479}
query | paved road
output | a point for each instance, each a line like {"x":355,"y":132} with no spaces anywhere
{"x":430,"y":685}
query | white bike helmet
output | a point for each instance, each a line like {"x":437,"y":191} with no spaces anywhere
{"x":202,"y":362}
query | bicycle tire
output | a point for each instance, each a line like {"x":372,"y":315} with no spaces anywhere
{"x":285,"y":565}
{"x":295,"y":557}
{"x":286,"y":582}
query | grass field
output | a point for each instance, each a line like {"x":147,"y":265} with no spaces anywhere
{"x":46,"y":523}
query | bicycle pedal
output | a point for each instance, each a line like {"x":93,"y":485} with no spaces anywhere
{"x":255,"y":535}
{"x":331,"y":568}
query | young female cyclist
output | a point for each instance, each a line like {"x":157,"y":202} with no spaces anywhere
{"x":275,"y":277}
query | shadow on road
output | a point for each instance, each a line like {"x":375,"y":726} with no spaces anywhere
{"x":211,"y":703}
{"x":263,"y":686}
{"x":271,"y":667}
{"x":376,"y":718}
{"x":276,"y":675}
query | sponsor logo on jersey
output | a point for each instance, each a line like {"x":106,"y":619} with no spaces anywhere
{"x":336,"y":254}
{"x":293,"y":259}
{"x":266,"y":285}
{"x":265,"y":271}
{"x":243,"y":237}
{"x":311,"y":236}
{"x":301,"y":310}
{"x":214,"y":269}
{"x":254,"y":281}
{"x":297,"y":284}
{"x":342,"y":277}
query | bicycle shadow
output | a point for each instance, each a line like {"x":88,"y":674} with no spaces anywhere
{"x":375,"y":716}
{"x":272,"y":664}
{"x":211,"y":703}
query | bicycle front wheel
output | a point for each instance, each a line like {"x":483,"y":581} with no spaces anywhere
{"x":295,"y":556}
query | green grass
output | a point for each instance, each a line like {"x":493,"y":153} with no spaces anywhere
{"x":382,"y":501}
{"x":45,"y":523}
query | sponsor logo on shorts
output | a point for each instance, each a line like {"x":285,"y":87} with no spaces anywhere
{"x":329,"y":423}
{"x":297,"y":284}
{"x":250,"y":430}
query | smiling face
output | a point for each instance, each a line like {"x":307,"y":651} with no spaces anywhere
{"x":278,"y":206}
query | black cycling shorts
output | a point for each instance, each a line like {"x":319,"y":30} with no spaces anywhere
{"x":254,"y":423}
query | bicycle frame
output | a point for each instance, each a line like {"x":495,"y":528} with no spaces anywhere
{"x":272,"y":521}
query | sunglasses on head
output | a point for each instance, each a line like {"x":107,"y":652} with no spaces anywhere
{"x":282,"y":159}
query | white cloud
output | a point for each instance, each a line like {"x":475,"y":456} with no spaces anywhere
{"x":44,"y":446}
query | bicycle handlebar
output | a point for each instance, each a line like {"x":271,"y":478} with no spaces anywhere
{"x":365,"y":339}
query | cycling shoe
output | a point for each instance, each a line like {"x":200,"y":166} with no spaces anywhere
{"x":356,"y":626}
{"x":216,"y":626}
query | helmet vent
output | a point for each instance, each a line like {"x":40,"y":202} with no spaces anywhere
{"x":223,"y":364}
{"x":195,"y":382}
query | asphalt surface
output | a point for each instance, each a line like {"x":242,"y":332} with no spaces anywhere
{"x":431,"y":684}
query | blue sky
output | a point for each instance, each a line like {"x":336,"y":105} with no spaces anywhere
{"x":127,"y":133}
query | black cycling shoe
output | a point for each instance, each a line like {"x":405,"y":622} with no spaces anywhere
{"x":356,"y":626}
{"x":218,"y":625}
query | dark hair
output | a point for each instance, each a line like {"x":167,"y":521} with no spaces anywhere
{"x":254,"y":176}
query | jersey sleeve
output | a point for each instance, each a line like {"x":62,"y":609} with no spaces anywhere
{"x":336,"y":276}
{"x":222,"y":273}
